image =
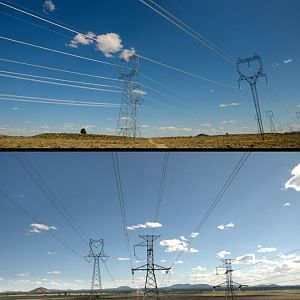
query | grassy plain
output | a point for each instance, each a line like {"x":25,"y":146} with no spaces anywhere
{"x":71,"y":141}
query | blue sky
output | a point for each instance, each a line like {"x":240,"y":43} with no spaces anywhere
{"x":257,"y":218}
{"x":188,"y":105}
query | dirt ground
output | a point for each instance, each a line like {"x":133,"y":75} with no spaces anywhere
{"x":249,"y":295}
{"x":74,"y":141}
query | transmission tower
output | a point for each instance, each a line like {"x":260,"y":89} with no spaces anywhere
{"x":229,"y":283}
{"x":269,"y":114}
{"x":96,"y":254}
{"x":131,"y":98}
{"x":151,"y":290}
{"x":252,"y":80}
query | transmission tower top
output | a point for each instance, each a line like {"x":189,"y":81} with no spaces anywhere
{"x":129,"y":66}
{"x":253,"y":76}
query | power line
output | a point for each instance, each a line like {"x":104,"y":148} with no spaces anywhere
{"x":56,"y":102}
{"x":218,"y":198}
{"x":30,"y":216}
{"x":64,"y":101}
{"x":274,"y":277}
{"x":274,"y":257}
{"x":57,"y":51}
{"x":59,"y":79}
{"x":60,"y":70}
{"x":196,"y":35}
{"x":186,"y":72}
{"x":121,"y":202}
{"x":94,"y":39}
{"x":61,"y":84}
{"x":161,"y":186}
{"x":50,"y":196}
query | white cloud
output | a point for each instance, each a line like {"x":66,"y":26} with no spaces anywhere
{"x":109,"y":43}
{"x":146,"y":225}
{"x":245,"y":259}
{"x":183,"y":238}
{"x":194,"y":234}
{"x":127,"y":54}
{"x":199,"y":269}
{"x":259,"y":246}
{"x":223,"y":253}
{"x":2,"y":279}
{"x":229,"y":104}
{"x":174,"y":128}
{"x":38,"y":228}
{"x":69,"y":125}
{"x":123,"y":258}
{"x":266,"y":250}
{"x":288,"y":61}
{"x":174,"y":245}
{"x":24,"y":274}
{"x":51,"y":253}
{"x":81,"y":39}
{"x":162,"y":260}
{"x":205,"y":124}
{"x":44,"y":127}
{"x":78,"y":281}
{"x":294,"y":182}
{"x":227,"y":226}
{"x":48,"y":6}
{"x":193,"y":250}
{"x":54,"y":272}
{"x":15,"y":108}
{"x":178,"y":262}
{"x":287,"y":204}
{"x":228,"y":122}
{"x":139,"y":92}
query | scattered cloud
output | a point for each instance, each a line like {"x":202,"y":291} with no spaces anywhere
{"x":205,"y":124}
{"x":266,"y":250}
{"x":193,"y":250}
{"x":199,"y":269}
{"x":109,"y":43}
{"x":212,"y":91}
{"x":183,"y":238}
{"x":78,"y":281}
{"x":227,"y":226}
{"x":55,"y":272}
{"x":81,"y":39}
{"x":38,"y":228}
{"x":146,"y":225}
{"x":287,"y":204}
{"x":228,"y":122}
{"x":174,"y":128}
{"x":288,"y":61}
{"x":24,"y":274}
{"x":139,"y":92}
{"x":69,"y":125}
{"x":178,"y":262}
{"x":44,"y":127}
{"x":123,"y":258}
{"x":127,"y":54}
{"x":194,"y":234}
{"x":162,"y":260}
{"x":51,"y":253}
{"x":48,"y":6}
{"x":15,"y":108}
{"x":223,"y":253}
{"x":245,"y":259}
{"x":229,"y":104}
{"x":174,"y":245}
{"x":294,"y":182}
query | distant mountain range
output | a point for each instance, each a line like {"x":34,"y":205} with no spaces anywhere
{"x":42,"y":290}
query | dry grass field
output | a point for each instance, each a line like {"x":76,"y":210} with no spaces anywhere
{"x":249,"y":295}
{"x":71,"y":141}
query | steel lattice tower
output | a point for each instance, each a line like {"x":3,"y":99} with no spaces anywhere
{"x":131,"y":98}
{"x":151,"y":290}
{"x":269,"y":114}
{"x":96,"y":253}
{"x":252,"y":80}
{"x":229,"y":283}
